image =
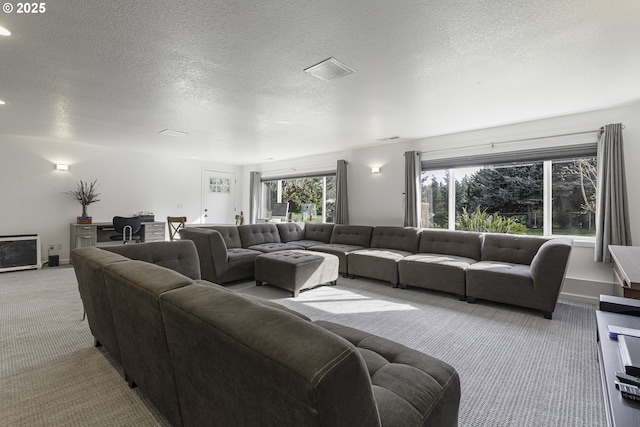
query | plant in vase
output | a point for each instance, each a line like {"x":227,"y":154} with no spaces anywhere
{"x":85,"y":194}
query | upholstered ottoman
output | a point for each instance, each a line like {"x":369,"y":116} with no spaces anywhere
{"x":294,"y":270}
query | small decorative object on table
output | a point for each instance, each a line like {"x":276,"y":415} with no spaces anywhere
{"x":85,"y":194}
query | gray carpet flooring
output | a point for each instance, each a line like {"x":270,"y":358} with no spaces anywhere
{"x":516,"y":368}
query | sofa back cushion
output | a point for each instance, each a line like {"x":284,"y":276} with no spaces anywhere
{"x":240,"y":363}
{"x":256,"y":234}
{"x":134,"y":289}
{"x":318,"y":232}
{"x":290,"y":231}
{"x":448,"y":242}
{"x":511,"y":248}
{"x":357,"y":235}
{"x":178,"y":255}
{"x":229,"y":233}
{"x":398,"y":238}
{"x":88,"y":263}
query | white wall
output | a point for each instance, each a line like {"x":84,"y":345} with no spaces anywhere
{"x":32,"y":191}
{"x":378,"y":199}
{"x":33,"y":201}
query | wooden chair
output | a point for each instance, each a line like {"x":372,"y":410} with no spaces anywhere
{"x":175,"y":224}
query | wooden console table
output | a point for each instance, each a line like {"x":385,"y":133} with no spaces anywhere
{"x":626,"y":270}
{"x":99,"y":233}
{"x":620,"y":412}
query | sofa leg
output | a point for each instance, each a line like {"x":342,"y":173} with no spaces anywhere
{"x":462,"y":297}
{"x":471,"y":300}
{"x":129,"y":381}
{"x":333,"y":283}
{"x":395,"y":284}
{"x":295,"y":294}
{"x":352,"y":276}
{"x":96,"y":343}
{"x":547,"y":314}
{"x":258,"y":282}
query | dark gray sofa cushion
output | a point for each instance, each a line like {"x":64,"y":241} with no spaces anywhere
{"x":305,"y":234}
{"x":318,"y":232}
{"x":352,"y":235}
{"x":388,"y":246}
{"x":403,"y":239}
{"x":443,"y":257}
{"x":510,"y":248}
{"x":439,"y":272}
{"x":178,"y":255}
{"x":257,"y":234}
{"x":291,"y":231}
{"x":410,"y":388}
{"x":263,"y":238}
{"x":87,"y":264}
{"x":229,"y":233}
{"x":344,"y":240}
{"x":465,"y":244}
{"x":244,"y":364}
{"x":376,"y":263}
{"x":134,"y":288}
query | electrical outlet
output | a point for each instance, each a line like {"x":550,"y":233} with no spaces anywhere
{"x":52,"y":247}
{"x":59,"y":246}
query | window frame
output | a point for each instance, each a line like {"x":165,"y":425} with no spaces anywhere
{"x":279,"y":180}
{"x":546,"y":154}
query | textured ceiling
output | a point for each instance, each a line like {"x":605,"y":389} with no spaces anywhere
{"x":230,"y":73}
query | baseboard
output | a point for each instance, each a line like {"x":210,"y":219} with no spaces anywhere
{"x":64,"y":261}
{"x":585,"y":291}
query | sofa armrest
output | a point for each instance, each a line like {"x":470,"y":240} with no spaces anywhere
{"x":550,"y":263}
{"x":212,"y":251}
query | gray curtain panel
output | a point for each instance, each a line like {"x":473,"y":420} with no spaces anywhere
{"x":254,"y":196}
{"x":612,"y":210}
{"x":342,"y":200}
{"x":412,"y":189}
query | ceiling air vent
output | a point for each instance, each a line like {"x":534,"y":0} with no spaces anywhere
{"x":329,"y":69}
{"x":171,"y":132}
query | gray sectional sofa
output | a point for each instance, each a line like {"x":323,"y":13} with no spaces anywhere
{"x":520,"y":270}
{"x":205,"y":355}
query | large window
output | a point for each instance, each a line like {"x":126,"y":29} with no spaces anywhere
{"x":533,"y":197}
{"x":310,"y":198}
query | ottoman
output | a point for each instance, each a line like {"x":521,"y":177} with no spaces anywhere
{"x":294,"y":270}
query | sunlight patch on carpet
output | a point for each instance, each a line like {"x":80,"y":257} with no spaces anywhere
{"x":340,"y":301}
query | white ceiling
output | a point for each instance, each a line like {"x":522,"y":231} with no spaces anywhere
{"x":230,"y":73}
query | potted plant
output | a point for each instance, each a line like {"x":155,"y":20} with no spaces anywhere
{"x":85,"y":194}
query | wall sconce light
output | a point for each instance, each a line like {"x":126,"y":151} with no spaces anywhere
{"x":375,"y":170}
{"x":62,"y":167}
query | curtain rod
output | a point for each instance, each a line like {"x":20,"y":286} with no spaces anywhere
{"x":318,"y":168}
{"x":493,"y":143}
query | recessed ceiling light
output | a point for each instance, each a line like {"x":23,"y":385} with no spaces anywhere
{"x":329,"y":69}
{"x":2,"y":102}
{"x":171,"y":132}
{"x":4,"y":32}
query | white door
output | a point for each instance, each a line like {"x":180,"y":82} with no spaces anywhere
{"x":218,"y":197}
